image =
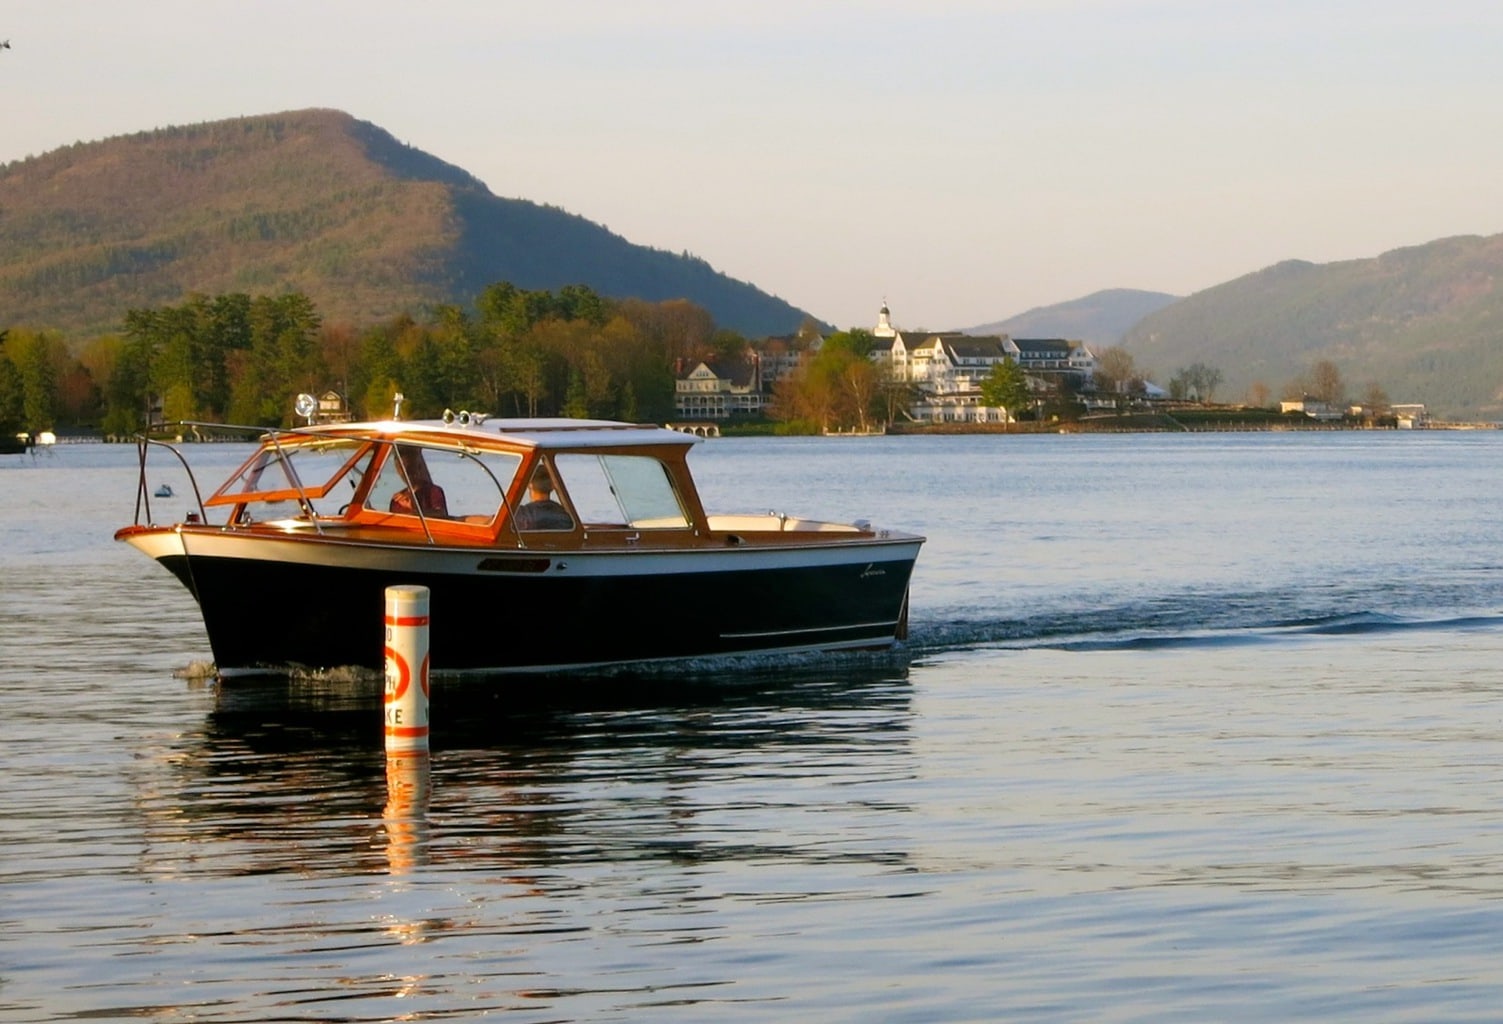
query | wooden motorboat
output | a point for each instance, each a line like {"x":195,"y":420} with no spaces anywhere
{"x":546,"y":544}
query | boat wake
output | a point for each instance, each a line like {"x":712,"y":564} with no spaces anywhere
{"x":1069,"y":622}
{"x":1194,"y":621}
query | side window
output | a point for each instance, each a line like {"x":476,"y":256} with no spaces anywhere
{"x":626,"y":490}
{"x":589,"y":491}
{"x":540,"y":508}
{"x":388,"y":482}
{"x":441,"y":483}
{"x":473,"y":481}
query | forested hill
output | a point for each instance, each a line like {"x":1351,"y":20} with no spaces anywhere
{"x":1425,"y":324}
{"x":312,"y":201}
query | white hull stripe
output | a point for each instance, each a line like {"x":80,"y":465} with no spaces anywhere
{"x":449,"y":561}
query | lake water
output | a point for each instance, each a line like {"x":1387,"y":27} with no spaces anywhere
{"x":1189,"y":728}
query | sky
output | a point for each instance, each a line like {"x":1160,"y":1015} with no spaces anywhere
{"x":961,"y":160}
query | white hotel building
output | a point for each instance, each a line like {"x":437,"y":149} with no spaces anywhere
{"x":946,"y":368}
{"x":943,"y":369}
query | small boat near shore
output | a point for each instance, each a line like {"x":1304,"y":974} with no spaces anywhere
{"x":546,"y":544}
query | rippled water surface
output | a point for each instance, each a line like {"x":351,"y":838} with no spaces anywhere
{"x":1189,"y":728}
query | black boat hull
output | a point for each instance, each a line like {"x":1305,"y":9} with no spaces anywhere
{"x":530,"y":611}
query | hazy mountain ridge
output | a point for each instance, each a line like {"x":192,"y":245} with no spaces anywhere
{"x":1425,"y":323}
{"x":1102,"y":318}
{"x":312,"y":201}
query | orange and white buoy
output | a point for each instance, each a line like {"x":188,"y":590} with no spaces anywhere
{"x":406,"y":699}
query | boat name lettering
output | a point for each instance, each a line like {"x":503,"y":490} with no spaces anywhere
{"x":872,"y":570}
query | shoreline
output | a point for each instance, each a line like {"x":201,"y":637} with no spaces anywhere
{"x":1148,"y":423}
{"x":1223,"y":427}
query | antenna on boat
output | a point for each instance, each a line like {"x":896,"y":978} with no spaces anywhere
{"x":398,"y":399}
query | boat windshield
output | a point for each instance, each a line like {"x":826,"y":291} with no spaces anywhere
{"x":297,"y":475}
{"x":628,"y":490}
{"x":441,"y":483}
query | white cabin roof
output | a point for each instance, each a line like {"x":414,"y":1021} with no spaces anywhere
{"x":542,"y":433}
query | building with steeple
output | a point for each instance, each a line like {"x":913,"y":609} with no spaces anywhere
{"x":945,"y":368}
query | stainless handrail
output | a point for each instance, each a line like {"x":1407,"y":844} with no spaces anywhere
{"x":273,"y":434}
{"x":143,"y":491}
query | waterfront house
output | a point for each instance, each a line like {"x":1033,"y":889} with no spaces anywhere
{"x":1410,"y":416}
{"x":332,"y":408}
{"x":718,"y":390}
{"x":1323,"y":412}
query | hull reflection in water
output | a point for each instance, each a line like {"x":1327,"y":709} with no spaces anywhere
{"x":288,"y":775}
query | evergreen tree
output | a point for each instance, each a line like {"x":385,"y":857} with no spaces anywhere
{"x":36,"y":357}
{"x":12,"y":402}
{"x":453,"y":353}
{"x":576,"y":405}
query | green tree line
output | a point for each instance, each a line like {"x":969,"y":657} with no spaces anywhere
{"x":239,"y":358}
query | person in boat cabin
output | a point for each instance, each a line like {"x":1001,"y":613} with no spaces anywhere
{"x":429,"y":496}
{"x":540,"y":511}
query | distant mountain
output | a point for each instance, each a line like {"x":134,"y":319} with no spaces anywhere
{"x":1101,"y":318}
{"x":1424,"y":323}
{"x":312,"y":201}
